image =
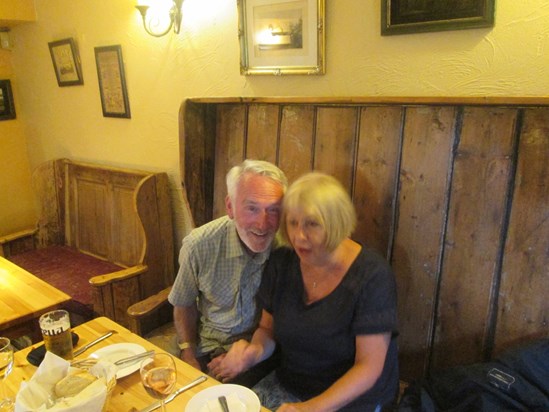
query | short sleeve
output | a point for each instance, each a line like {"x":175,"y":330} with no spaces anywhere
{"x":185,"y":288}
{"x":376,"y":309}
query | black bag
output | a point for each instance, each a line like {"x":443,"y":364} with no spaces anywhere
{"x":518,"y":380}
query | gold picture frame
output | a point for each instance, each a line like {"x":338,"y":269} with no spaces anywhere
{"x":66,"y":62}
{"x":112,"y":81}
{"x":279,"y":37}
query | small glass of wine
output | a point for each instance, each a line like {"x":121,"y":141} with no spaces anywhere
{"x":6,"y":364}
{"x":158,"y":375}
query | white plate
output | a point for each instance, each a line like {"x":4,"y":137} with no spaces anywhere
{"x":198,"y":402}
{"x":118,"y":351}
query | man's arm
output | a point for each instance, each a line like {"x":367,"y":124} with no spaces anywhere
{"x":186,"y":325}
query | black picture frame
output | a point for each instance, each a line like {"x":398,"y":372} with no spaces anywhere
{"x":66,"y":62}
{"x":112,"y":81}
{"x":419,"y":16}
{"x":7,"y":108}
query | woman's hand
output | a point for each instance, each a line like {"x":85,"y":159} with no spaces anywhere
{"x":240,"y":358}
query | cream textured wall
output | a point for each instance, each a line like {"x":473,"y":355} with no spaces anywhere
{"x":510,"y":59}
{"x":17,"y":208}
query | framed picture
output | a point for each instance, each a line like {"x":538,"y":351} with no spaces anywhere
{"x":416,"y":16}
{"x":7,"y":109}
{"x":112,"y":81}
{"x":280,"y":37}
{"x":66,"y":62}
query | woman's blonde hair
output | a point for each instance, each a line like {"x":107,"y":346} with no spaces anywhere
{"x":321,"y":196}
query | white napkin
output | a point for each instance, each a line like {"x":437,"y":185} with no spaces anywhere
{"x":233,"y":402}
{"x":34,"y":394}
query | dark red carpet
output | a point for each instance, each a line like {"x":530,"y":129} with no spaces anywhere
{"x":68,"y":270}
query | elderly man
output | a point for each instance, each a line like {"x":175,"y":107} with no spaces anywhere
{"x":221,"y":264}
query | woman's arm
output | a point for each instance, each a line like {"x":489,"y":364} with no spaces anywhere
{"x":371,"y":351}
{"x":243,"y":354}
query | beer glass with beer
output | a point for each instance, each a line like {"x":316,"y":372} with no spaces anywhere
{"x":56,"y":331}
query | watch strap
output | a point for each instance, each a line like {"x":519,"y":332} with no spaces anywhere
{"x":184,"y":345}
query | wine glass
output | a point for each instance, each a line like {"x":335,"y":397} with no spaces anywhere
{"x":6,"y":364}
{"x":158,"y":375}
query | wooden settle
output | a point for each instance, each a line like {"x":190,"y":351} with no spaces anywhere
{"x":453,"y":191}
{"x":122,"y":216}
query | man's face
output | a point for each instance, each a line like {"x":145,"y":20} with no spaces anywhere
{"x":256,"y":211}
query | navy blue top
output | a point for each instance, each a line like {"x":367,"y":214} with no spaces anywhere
{"x":317,"y":341}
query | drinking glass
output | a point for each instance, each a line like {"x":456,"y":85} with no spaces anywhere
{"x":56,"y":331}
{"x":6,"y":364}
{"x":158,"y":375}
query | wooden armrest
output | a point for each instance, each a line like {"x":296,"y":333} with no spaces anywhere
{"x":117,"y":276}
{"x":149,"y":313}
{"x":17,"y":235}
{"x":17,"y":242}
{"x":152,"y":303}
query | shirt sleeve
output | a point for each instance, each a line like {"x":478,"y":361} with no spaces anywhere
{"x":185,"y":288}
{"x":376,"y":310}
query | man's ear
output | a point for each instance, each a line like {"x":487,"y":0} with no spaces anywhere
{"x":229,"y":207}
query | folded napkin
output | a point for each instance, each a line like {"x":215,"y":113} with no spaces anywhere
{"x":37,"y":394}
{"x":233,"y":402}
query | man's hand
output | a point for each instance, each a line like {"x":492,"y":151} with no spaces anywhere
{"x":187,"y":355}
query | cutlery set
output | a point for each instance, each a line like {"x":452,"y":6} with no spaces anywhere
{"x":140,"y":356}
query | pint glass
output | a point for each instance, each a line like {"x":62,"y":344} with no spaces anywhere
{"x":56,"y":331}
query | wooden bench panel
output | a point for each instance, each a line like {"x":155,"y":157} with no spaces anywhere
{"x":426,"y":151}
{"x":523,"y":304}
{"x":296,"y":146}
{"x":480,"y":182}
{"x":453,"y":191}
{"x":377,"y":165}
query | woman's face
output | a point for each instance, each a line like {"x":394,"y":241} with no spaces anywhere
{"x":307,"y":236}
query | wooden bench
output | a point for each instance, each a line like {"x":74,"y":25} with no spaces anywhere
{"x":453,"y":191}
{"x":119,"y":216}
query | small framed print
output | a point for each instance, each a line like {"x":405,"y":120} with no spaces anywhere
{"x":66,"y":62}
{"x":112,"y":81}
{"x":281,"y":36}
{"x":417,"y":16}
{"x":7,"y":108}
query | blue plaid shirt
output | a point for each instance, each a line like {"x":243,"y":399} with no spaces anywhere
{"x":217,"y":273}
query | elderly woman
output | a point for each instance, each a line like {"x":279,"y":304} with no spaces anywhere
{"x":330,"y":305}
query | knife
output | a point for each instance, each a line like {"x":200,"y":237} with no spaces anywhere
{"x":132,"y":359}
{"x":89,"y":345}
{"x":170,"y":398}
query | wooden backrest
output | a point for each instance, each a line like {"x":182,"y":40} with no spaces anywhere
{"x":454,"y":192}
{"x":119,"y":215}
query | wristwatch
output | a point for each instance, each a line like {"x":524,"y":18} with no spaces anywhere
{"x":184,"y":345}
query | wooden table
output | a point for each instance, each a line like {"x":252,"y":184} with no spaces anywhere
{"x":24,"y":298}
{"x":128,"y":393}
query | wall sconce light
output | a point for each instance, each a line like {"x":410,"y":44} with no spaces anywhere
{"x":158,"y":20}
